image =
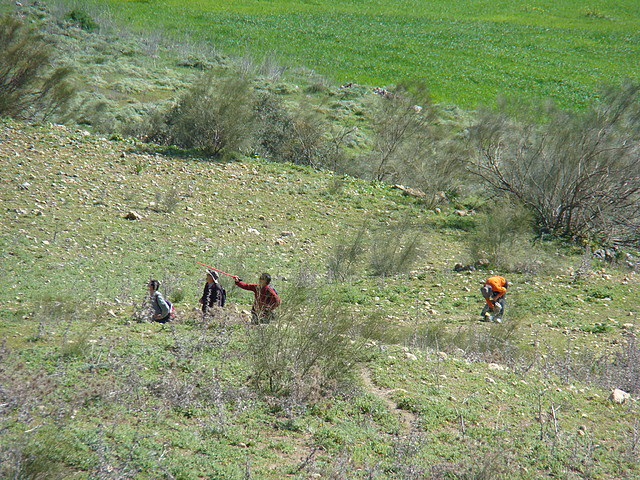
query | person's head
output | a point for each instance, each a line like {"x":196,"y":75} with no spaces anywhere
{"x":264,"y":280}
{"x":153,"y":285}
{"x":212,"y":276}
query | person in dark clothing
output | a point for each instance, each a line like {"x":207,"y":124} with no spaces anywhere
{"x":159,"y":306}
{"x":212,"y":295}
{"x":265,"y":301}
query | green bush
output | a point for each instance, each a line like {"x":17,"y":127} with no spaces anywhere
{"x":215,"y":116}
{"x":501,"y":236}
{"x":307,"y":352}
{"x":82,"y":19}
{"x":29,"y":87}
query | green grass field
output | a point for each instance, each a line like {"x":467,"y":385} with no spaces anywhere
{"x":465,"y":52}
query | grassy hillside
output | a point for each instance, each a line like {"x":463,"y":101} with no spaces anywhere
{"x":92,"y":390}
{"x":378,"y":366}
{"x":465,"y":52}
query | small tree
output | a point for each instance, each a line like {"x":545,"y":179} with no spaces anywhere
{"x":578,"y":171}
{"x":400,"y":134}
{"x":30,"y":88}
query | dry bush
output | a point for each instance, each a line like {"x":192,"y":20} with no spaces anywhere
{"x":394,"y":250}
{"x":579,"y":172}
{"x":401,"y":134}
{"x":309,"y":350}
{"x":345,"y":255}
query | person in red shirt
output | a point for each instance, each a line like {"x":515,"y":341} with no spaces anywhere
{"x":493,"y":291}
{"x":265,"y":301}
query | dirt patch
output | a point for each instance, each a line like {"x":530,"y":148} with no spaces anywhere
{"x":407,"y":419}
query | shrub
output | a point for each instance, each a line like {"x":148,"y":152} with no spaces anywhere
{"x":501,"y":236}
{"x":345,"y":255}
{"x":579,"y":172}
{"x":274,"y":123}
{"x":394,"y":250}
{"x":82,"y":19}
{"x":400,"y":134}
{"x":297,"y":135}
{"x":29,"y":87}
{"x":215,"y":116}
{"x":306,"y":352}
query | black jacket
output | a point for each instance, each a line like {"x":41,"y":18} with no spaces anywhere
{"x":212,"y":295}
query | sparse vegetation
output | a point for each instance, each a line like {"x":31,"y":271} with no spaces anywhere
{"x":377,"y":365}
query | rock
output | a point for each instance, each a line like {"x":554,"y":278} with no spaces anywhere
{"x":412,"y":192}
{"x":495,"y":366}
{"x":133,"y":215}
{"x":459,"y":267}
{"x":410,"y":356}
{"x":253,"y":230}
{"x":619,"y":396}
{"x":606,"y":254}
{"x":287,"y":234}
{"x":490,"y":380}
{"x":280,"y":241}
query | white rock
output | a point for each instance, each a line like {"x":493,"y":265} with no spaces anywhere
{"x":619,"y":396}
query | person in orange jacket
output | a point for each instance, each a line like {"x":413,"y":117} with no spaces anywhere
{"x":494,"y":291}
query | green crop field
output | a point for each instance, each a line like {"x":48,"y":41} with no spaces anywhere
{"x":465,"y":52}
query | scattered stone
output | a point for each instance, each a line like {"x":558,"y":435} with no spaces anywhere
{"x":382,"y":92}
{"x":464,"y":213}
{"x":606,"y":254}
{"x":133,"y":215}
{"x":489,"y":380}
{"x":253,"y":230}
{"x":280,"y":241}
{"x":410,"y":356}
{"x":287,"y":234}
{"x":619,"y":396}
{"x":412,"y":192}
{"x":459,"y":267}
